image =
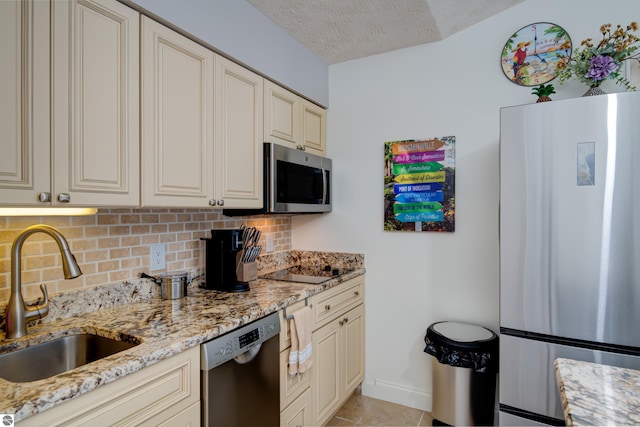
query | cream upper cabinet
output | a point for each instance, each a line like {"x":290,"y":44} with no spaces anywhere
{"x":282,"y":116}
{"x":313,"y":128}
{"x":238,"y":136}
{"x":24,"y":103}
{"x":292,"y":121}
{"x":177,"y":119}
{"x":95,"y":103}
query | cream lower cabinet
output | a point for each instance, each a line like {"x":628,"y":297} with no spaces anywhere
{"x":292,"y":121}
{"x":339,"y":363}
{"x":69,"y":103}
{"x":167,"y":394}
{"x":338,"y":347}
{"x":295,"y":394}
{"x":338,"y":356}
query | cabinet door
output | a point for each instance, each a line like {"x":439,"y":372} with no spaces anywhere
{"x":298,"y":414}
{"x":326,"y":384}
{"x":313,"y":127}
{"x":189,"y":417}
{"x":154,"y":396}
{"x":95,"y":98}
{"x":282,"y":120}
{"x":177,"y":119}
{"x":239,"y":123}
{"x":24,"y":102}
{"x":291,"y":387}
{"x":352,"y":349}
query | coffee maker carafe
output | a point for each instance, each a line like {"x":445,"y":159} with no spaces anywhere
{"x":221,"y":261}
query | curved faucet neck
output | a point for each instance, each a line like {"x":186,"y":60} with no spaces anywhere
{"x":17,"y":313}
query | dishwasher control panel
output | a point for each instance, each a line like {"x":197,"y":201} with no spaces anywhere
{"x":239,"y":341}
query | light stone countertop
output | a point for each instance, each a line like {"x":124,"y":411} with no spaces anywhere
{"x":594,"y":394}
{"x":164,"y":327}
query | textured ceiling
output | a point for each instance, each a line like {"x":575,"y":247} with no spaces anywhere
{"x":341,"y":30}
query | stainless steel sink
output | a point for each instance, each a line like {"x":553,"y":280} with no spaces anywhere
{"x":50,"y":358}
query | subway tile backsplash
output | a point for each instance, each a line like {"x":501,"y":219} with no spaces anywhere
{"x":113,"y":245}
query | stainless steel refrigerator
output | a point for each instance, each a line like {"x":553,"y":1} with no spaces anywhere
{"x":569,"y":245}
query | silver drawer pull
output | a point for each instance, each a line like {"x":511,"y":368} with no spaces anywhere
{"x":64,"y":197}
{"x":44,"y":197}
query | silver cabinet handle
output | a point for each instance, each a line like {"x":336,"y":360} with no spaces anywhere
{"x":220,"y":202}
{"x":212,"y":202}
{"x":64,"y":197}
{"x":301,"y":147}
{"x":44,"y":197}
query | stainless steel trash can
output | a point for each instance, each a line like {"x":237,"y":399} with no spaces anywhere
{"x":464,"y":367}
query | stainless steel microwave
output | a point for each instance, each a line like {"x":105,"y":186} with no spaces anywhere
{"x":294,"y":182}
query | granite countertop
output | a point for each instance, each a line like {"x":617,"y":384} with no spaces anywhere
{"x":594,"y":394}
{"x":163,"y":327}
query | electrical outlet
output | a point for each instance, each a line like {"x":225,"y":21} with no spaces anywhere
{"x":269,"y":243}
{"x":157,"y":257}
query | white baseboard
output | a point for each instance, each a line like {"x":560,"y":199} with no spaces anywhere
{"x":397,"y":393}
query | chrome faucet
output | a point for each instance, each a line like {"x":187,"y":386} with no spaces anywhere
{"x":18,"y":314}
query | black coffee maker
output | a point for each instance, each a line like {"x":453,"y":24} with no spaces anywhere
{"x":221,"y":255}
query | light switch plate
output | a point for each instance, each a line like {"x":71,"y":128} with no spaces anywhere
{"x":269,"y":243}
{"x":157,"y":257}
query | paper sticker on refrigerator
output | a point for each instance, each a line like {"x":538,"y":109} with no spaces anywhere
{"x":586,"y":162}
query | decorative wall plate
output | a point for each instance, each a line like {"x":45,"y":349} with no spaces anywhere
{"x":530,"y":57}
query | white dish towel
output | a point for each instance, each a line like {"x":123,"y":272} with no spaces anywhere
{"x":300,"y":356}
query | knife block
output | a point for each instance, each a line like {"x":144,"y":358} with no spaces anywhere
{"x":247,"y":271}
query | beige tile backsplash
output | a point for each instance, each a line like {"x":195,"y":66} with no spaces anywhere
{"x":113,"y":245}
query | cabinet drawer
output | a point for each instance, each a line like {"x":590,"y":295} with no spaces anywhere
{"x":291,"y":387}
{"x":338,"y":300}
{"x":285,"y":332}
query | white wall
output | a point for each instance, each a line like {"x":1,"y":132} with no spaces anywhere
{"x":240,"y":31}
{"x":454,"y":87}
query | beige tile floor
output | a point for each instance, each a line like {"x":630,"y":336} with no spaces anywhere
{"x":361,"y":410}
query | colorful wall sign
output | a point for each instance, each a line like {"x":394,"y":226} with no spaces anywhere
{"x":419,"y":185}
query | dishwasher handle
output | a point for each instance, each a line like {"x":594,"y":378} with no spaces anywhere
{"x":248,"y":355}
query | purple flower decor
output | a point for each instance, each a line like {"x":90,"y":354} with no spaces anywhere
{"x":594,"y":62}
{"x":601,"y":66}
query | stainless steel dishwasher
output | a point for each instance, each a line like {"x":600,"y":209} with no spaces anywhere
{"x":240,"y":381}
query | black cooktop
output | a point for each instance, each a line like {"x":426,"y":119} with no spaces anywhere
{"x":306,"y":274}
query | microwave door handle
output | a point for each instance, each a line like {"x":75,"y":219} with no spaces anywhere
{"x":325,"y":186}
